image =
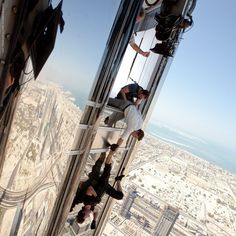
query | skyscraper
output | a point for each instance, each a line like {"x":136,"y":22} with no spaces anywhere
{"x":127,"y":204}
{"x":167,"y":221}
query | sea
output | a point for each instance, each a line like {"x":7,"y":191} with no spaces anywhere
{"x":204,"y":149}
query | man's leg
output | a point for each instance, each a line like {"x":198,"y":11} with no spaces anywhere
{"x":107,"y":169}
{"x":118,"y":103}
{"x":95,"y":173}
{"x":114,"y":117}
{"x":104,"y":178}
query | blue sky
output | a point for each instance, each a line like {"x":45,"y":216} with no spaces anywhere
{"x":198,"y":95}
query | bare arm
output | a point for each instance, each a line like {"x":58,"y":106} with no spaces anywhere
{"x":123,"y":92}
{"x":113,"y":149}
{"x":139,"y":50}
{"x":109,"y":157}
{"x":137,"y":102}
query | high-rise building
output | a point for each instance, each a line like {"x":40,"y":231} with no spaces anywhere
{"x":127,"y":204}
{"x":167,"y":221}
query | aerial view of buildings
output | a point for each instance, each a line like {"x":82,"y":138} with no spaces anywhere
{"x":43,"y":131}
{"x":199,"y":197}
{"x":168,"y":191}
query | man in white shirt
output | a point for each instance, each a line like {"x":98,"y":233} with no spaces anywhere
{"x":132,"y":116}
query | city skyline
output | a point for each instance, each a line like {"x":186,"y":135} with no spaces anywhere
{"x":164,"y":175}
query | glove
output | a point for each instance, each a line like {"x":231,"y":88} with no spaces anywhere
{"x":119,"y":177}
{"x":114,"y":146}
{"x":93,"y":225}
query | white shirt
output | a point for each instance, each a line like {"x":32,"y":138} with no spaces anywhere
{"x":132,"y":40}
{"x":133,"y":119}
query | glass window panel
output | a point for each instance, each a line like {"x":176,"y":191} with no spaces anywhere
{"x":47,"y":117}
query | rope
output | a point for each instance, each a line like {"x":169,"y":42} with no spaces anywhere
{"x":144,"y":65}
{"x":145,"y":60}
{"x":131,"y":67}
{"x":133,"y":62}
{"x":27,"y":81}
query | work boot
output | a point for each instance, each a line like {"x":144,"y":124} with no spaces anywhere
{"x":106,"y":120}
{"x":161,"y":49}
{"x":162,"y":33}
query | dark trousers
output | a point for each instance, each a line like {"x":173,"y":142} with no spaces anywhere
{"x":94,"y":177}
{"x":116,"y":116}
{"x":103,"y":181}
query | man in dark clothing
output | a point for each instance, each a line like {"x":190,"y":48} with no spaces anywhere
{"x":170,"y":23}
{"x":131,"y":92}
{"x":91,"y":191}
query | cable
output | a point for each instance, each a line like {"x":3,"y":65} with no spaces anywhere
{"x":143,"y":64}
{"x":25,"y":82}
{"x":131,"y":67}
{"x":23,"y":70}
{"x":145,"y":61}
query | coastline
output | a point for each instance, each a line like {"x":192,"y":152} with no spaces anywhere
{"x":192,"y":150}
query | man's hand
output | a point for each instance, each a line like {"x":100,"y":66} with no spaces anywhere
{"x":119,"y":177}
{"x":114,"y":146}
{"x":93,"y":224}
{"x":146,"y":54}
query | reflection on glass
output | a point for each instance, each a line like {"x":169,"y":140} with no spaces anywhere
{"x":77,"y":54}
{"x":94,"y":189}
{"x":141,"y":208}
{"x":47,"y":118}
{"x":141,"y":69}
{"x":42,"y":132}
{"x":90,"y":192}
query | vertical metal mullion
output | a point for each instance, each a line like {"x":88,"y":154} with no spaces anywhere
{"x":159,"y":73}
{"x":21,"y":7}
{"x":106,"y":209}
